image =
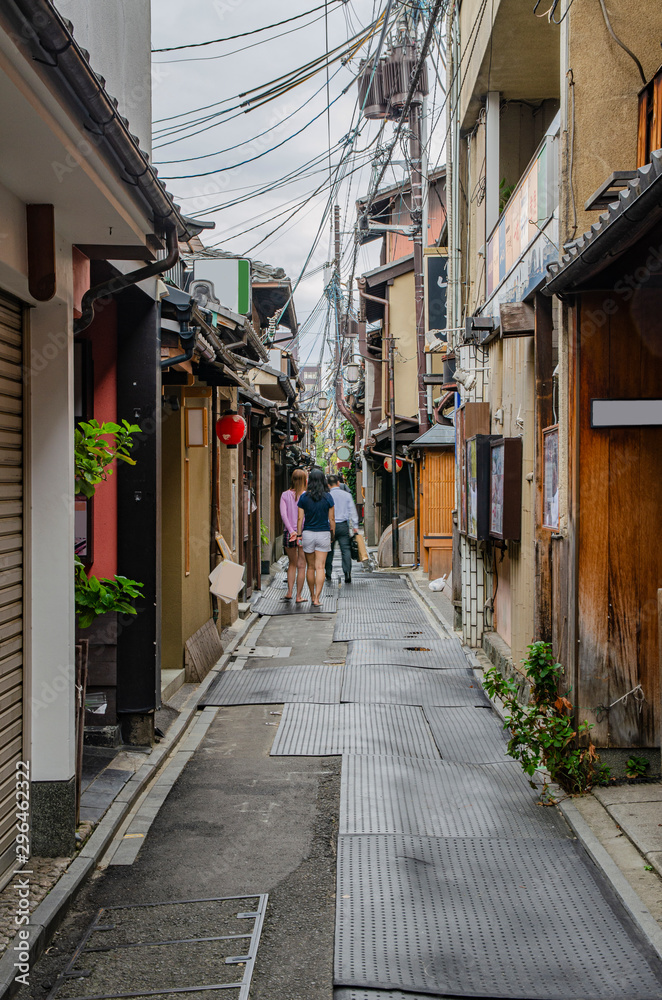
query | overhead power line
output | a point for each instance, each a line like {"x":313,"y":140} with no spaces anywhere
{"x":244,"y":34}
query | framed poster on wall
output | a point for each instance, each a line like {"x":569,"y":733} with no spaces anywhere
{"x":550,"y":488}
{"x":478,"y":485}
{"x":496,"y":488}
{"x":506,"y":488}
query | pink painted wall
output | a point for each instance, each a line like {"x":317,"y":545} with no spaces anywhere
{"x":102,"y":333}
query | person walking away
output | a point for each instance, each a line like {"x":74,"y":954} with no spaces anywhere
{"x":347,"y":523}
{"x":296,"y":565}
{"x":315,"y":524}
{"x":343,"y":485}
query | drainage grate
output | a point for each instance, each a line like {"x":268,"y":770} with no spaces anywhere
{"x":389,"y":684}
{"x":347,"y":631}
{"x":441,"y":799}
{"x":191,"y":946}
{"x":276,"y":685}
{"x":468,"y":736}
{"x":324,"y":730}
{"x":409,"y":613}
{"x":436,"y":654}
{"x":264,"y":652}
{"x":474,"y":918}
{"x":273,"y":603}
{"x":360,"y":994}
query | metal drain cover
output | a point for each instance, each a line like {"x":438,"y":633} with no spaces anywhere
{"x":325,"y":730}
{"x":441,"y":799}
{"x":190,"y":947}
{"x":276,"y":685}
{"x":273,"y":603}
{"x":474,"y":918}
{"x":399,"y":613}
{"x":468,"y":735}
{"x":434,"y":654}
{"x":389,"y":684}
{"x":347,"y":631}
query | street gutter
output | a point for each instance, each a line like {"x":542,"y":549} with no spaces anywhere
{"x":50,"y":913}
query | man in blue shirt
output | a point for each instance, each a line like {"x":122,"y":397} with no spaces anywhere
{"x":347,"y":519}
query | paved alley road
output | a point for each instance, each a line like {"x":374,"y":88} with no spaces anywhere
{"x":347,"y":781}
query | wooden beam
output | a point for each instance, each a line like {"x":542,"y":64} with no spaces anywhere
{"x":41,"y":251}
{"x":517,"y":319}
{"x":115,"y":251}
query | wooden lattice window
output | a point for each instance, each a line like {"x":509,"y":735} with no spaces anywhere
{"x":649,"y":137}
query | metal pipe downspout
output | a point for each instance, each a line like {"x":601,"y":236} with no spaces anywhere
{"x":395,"y":546}
{"x":121,"y":281}
{"x":213,"y":548}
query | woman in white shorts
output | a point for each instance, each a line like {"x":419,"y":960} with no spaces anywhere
{"x":315,"y":523}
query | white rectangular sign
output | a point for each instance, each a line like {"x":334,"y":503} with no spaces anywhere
{"x":626,"y":413}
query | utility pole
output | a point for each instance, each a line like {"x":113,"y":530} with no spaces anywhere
{"x":395,"y":540}
{"x":416,"y":182}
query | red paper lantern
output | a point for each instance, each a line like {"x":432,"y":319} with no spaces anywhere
{"x":398,"y":464}
{"x":231,"y":429}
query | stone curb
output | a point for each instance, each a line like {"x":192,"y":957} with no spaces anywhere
{"x":638,"y":911}
{"x":48,"y":915}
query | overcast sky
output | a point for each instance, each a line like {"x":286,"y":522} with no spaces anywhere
{"x":219,"y":72}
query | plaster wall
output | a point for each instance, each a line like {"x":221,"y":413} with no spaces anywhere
{"x":13,"y":245}
{"x":606,"y":85}
{"x":512,"y":389}
{"x":518,"y":56}
{"x":49,"y":534}
{"x":103,"y":336}
{"x":117,"y":34}
{"x":402,"y":320}
{"x":474,"y":237}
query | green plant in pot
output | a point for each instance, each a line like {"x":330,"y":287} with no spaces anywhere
{"x":96,"y":447}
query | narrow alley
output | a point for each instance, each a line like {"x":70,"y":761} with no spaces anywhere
{"x":341,"y":819}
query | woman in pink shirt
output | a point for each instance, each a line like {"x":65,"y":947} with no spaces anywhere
{"x":292,"y":545}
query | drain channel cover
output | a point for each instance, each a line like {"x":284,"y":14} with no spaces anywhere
{"x":472,"y":917}
{"x":441,"y":799}
{"x":325,"y":730}
{"x":389,"y":684}
{"x":276,"y":685}
{"x":467,"y":735}
{"x":346,"y":631}
{"x":435,"y":654}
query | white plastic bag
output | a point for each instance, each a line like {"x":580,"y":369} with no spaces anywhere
{"x":438,"y":585}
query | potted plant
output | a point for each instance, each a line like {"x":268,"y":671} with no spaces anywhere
{"x":96,"y":447}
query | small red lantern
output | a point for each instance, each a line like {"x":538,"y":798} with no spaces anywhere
{"x":398,"y":464}
{"x":231,"y":429}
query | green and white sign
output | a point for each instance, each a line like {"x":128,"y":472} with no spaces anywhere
{"x":222,"y":282}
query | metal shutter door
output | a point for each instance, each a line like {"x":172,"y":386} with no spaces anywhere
{"x":11,"y":567}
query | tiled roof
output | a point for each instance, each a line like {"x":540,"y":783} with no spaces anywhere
{"x":637,"y":209}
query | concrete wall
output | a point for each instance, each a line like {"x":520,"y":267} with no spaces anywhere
{"x":117,"y":34}
{"x":606,"y":85}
